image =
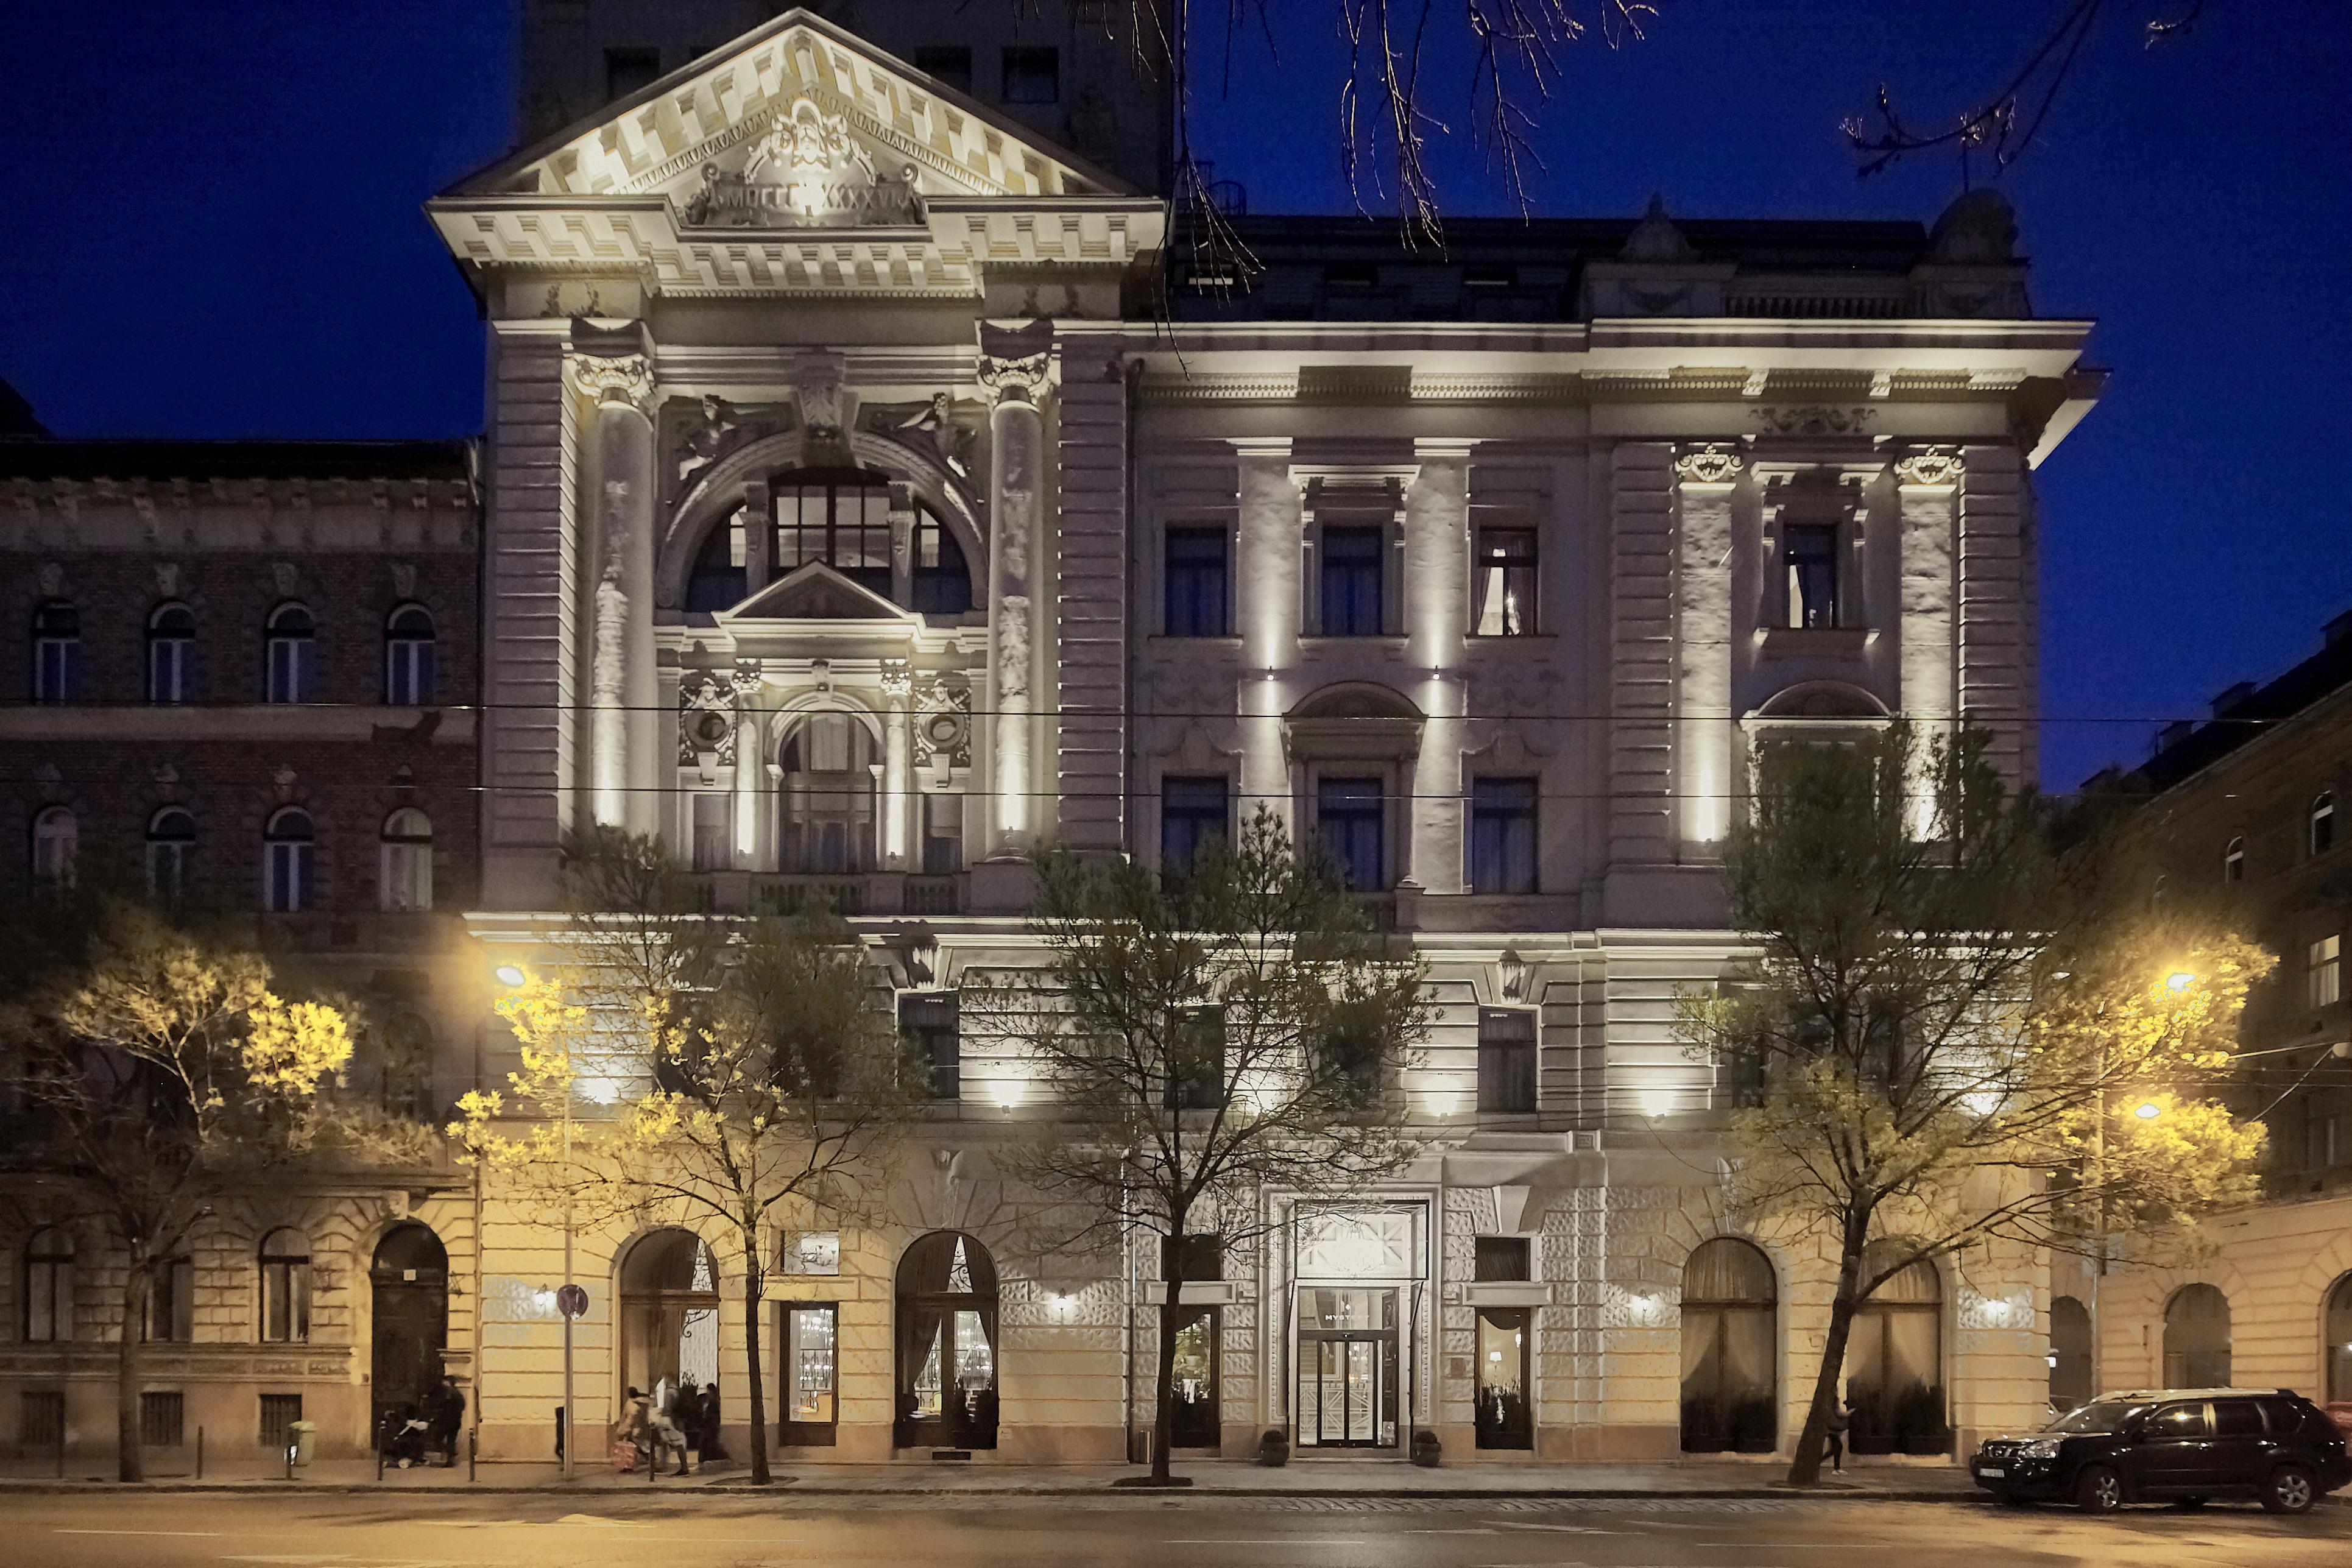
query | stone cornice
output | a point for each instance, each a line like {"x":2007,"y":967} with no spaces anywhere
{"x":260,"y":723}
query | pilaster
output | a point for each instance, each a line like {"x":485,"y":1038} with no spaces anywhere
{"x":1015,"y":364}
{"x":614,"y":368}
{"x":1705,"y":481}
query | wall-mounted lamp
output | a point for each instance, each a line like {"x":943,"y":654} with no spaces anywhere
{"x":510,"y":975}
{"x":1657,"y":1102}
{"x":2147,"y":1110}
{"x":1006,"y":1092}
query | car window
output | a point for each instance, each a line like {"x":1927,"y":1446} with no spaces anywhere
{"x":2178,"y":1421}
{"x":2101,"y":1418}
{"x":2236,"y":1418}
{"x":2284,"y":1415}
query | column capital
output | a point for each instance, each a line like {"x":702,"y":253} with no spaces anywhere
{"x":1708,"y":465}
{"x":1016,"y":361}
{"x":1934,"y":466}
{"x":616,"y":381}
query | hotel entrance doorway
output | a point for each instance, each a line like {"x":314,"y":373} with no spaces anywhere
{"x":1348,"y":1369}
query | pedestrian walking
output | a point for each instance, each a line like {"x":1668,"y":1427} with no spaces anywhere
{"x":708,"y":1446}
{"x":446,"y":1414}
{"x":632,"y":1434}
{"x":1833,"y":1438}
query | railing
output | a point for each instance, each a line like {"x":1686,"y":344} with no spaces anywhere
{"x":851,"y":894}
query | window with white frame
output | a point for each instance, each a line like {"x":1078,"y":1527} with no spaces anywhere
{"x":2233,"y":862}
{"x":286,"y":862}
{"x":285,"y":1287}
{"x":408,"y":658}
{"x":1351,"y":822}
{"x":1502,"y":583}
{"x":171,"y":646}
{"x":2324,"y":971}
{"x":56,"y":838}
{"x":171,"y":847}
{"x":49,"y":1286}
{"x":404,"y":879}
{"x":290,"y":655}
{"x":2319,"y":831}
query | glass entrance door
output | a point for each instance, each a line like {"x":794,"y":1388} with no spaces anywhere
{"x":1347,"y":1368}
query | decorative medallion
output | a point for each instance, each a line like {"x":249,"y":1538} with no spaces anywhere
{"x":1931,"y":466}
{"x":1709,"y":465}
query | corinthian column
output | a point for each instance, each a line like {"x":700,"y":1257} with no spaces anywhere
{"x":898,"y":753}
{"x":1705,"y":481}
{"x":1929,"y":481}
{"x":1014,"y":367}
{"x":625,"y":750}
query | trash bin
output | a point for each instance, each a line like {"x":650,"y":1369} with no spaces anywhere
{"x":304,"y":1436}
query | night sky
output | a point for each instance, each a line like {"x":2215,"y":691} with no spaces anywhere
{"x":215,"y":231}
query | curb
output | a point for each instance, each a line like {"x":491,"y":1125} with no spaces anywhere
{"x":789,"y":1489}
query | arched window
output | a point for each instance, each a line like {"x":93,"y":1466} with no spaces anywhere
{"x":285,"y":863}
{"x":2338,"y":1332}
{"x":405,"y":877}
{"x":669,"y":1314}
{"x":408,"y":670}
{"x":1894,"y":1361}
{"x":49,"y":1286}
{"x":2070,"y":1351}
{"x":718,"y":580}
{"x":285,"y":1287}
{"x":947,"y":1343}
{"x":171,"y":644}
{"x":838,"y":516}
{"x":2321,"y":834}
{"x":290,"y":673}
{"x":57,"y":837}
{"x":827,"y":795}
{"x":1730,"y":1349}
{"x":2197,"y":1338}
{"x":942,"y":577}
{"x":171,"y":845}
{"x":57,"y":651}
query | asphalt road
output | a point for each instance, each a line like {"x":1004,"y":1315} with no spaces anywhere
{"x":364,"y":1531}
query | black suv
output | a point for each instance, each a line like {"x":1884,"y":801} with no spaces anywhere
{"x":2169,"y":1445}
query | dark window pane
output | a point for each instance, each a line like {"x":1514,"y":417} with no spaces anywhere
{"x":1498,"y":1257}
{"x":842,"y":519}
{"x":1503,"y":836}
{"x":2178,"y":1421}
{"x":1507,"y":1060}
{"x":948,"y":65}
{"x":1195,"y":577}
{"x":942,"y":580}
{"x":930,"y":1017}
{"x":1502,"y":576}
{"x":1196,"y":1059}
{"x":1192,"y":810}
{"x":1808,"y":551}
{"x":1351,"y":581}
{"x":1033,"y":75}
{"x":1349,"y":818}
{"x":717,"y":580}
{"x":2236,"y":1418}
{"x":1203,"y":1257}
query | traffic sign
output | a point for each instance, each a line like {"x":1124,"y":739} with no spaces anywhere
{"x":572,"y":1300}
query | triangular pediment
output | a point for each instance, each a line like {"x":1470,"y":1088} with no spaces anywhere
{"x":814,"y":592}
{"x":795,"y":124}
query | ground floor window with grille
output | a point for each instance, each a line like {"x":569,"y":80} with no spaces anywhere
{"x":40,"y":1418}
{"x":162,"y":1419}
{"x":278,"y":1414}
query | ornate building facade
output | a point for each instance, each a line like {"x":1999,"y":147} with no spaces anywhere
{"x":873,"y":494}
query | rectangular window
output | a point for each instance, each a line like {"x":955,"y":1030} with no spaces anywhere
{"x":40,"y":1418}
{"x":845,"y":526}
{"x":1033,"y":75}
{"x":1350,"y":821}
{"x":710,"y":836}
{"x":1203,"y":1257}
{"x":288,"y":870}
{"x":162,"y":1419}
{"x":167,"y":670}
{"x":1192,"y":811}
{"x":1196,"y":582}
{"x":1809,"y":553}
{"x":278,"y":1414}
{"x":1500,"y":1258}
{"x":1507,"y":1060}
{"x":630,"y":70}
{"x":942,"y":835}
{"x":289,"y":672}
{"x":1503,"y":836}
{"x":1351,"y":581}
{"x":285,"y":1302}
{"x":2319,"y":1138}
{"x":812,"y":1351}
{"x":949,"y":64}
{"x":2324,"y":971}
{"x":1196,"y":1059}
{"x":53,"y":668}
{"x":172,"y":1302}
{"x":1502,"y":576}
{"x":167,"y":869}
{"x":930,"y":1019}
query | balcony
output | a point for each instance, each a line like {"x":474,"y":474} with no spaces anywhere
{"x":854,"y":893}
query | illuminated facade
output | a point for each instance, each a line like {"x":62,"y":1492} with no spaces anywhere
{"x":875,"y":491}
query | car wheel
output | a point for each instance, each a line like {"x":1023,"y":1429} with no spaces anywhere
{"x":2098,"y":1489}
{"x":2289,"y":1491}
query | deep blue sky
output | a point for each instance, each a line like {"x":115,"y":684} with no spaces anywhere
{"x":215,"y":232}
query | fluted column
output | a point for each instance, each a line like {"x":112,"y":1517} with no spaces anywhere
{"x":1705,"y":481}
{"x":1927,"y":481}
{"x":897,"y":752}
{"x":1014,"y":367}
{"x":625,"y":739}
{"x":1266,"y":600}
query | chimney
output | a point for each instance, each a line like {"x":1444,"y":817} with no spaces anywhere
{"x":2172,"y":734}
{"x":2229,"y":699}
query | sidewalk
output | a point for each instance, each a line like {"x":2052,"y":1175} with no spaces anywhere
{"x":1218,"y":1478}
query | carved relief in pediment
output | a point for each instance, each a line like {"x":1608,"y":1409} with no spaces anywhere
{"x":807,"y":171}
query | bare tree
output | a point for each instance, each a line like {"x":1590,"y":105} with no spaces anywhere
{"x":1947,"y":1042}
{"x":765,"y":1074}
{"x":1208,"y":1036}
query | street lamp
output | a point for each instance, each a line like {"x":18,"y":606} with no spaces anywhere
{"x":2147,"y":1110}
{"x":510,"y":975}
{"x":2179,"y":980}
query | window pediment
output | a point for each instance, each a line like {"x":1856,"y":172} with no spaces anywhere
{"x":815,"y":593}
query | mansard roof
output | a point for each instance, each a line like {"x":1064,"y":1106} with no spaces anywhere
{"x":2242,"y":714}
